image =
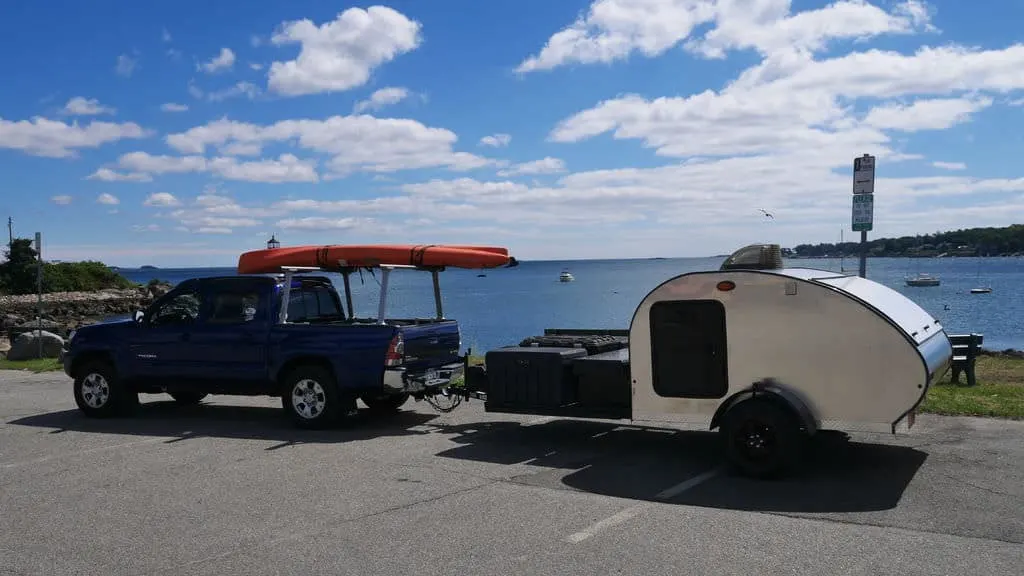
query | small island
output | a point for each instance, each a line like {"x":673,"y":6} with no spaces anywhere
{"x":148,"y":267}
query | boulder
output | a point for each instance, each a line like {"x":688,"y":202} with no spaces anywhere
{"x":26,"y":346}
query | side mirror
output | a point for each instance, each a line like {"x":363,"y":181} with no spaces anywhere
{"x":138,"y":316}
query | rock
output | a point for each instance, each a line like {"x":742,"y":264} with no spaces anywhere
{"x":26,"y":346}
{"x":9,"y":321}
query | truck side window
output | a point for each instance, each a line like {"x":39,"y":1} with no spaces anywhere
{"x":234,"y":307}
{"x":179,"y":309}
{"x":312,"y":303}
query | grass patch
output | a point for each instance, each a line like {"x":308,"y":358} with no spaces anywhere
{"x":36,"y":365}
{"x":999,"y":392}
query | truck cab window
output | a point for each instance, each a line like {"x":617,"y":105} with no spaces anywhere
{"x":179,"y":309}
{"x":234,"y":307}
{"x":314,"y":303}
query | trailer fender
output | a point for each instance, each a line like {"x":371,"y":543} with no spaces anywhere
{"x":769,"y":388}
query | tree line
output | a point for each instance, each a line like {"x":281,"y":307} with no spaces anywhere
{"x":18,"y":273}
{"x":966,"y":242}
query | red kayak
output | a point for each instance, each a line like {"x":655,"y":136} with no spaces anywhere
{"x":372,"y":255}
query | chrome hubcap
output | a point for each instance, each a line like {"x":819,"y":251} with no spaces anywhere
{"x":95,"y":390}
{"x":308,"y":398}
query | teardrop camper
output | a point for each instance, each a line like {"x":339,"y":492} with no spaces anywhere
{"x":766,"y":354}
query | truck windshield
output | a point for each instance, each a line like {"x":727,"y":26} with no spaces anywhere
{"x":314,"y":303}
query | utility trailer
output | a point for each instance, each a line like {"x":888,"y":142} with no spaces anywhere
{"x":766,"y":354}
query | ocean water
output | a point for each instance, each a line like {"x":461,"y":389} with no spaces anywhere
{"x":508,"y":304}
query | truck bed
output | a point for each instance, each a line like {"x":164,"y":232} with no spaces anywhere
{"x":582,"y":375}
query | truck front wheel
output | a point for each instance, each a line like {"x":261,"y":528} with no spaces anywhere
{"x":312,"y":399}
{"x":99,"y":393}
{"x":763,"y":439}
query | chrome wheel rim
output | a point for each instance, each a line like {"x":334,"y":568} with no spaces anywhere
{"x":308,"y":398}
{"x":95,"y":390}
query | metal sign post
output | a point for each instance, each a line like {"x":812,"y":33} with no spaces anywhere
{"x":863,"y":204}
{"x":39,"y":291}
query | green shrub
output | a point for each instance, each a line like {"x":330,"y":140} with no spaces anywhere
{"x":18,"y":273}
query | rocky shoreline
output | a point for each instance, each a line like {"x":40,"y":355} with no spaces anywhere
{"x":63,"y":312}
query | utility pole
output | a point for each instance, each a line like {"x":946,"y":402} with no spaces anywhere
{"x":39,"y":291}
{"x":10,"y":232}
{"x":863,"y":204}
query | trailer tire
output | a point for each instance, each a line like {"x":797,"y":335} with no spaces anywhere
{"x":384,"y":403}
{"x":762,"y":438}
{"x":312,"y":398}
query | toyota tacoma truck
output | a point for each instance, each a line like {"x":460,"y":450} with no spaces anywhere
{"x":284,"y":335}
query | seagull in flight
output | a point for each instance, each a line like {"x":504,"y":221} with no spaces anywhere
{"x":766,"y":213}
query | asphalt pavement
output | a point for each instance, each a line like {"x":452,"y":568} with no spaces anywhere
{"x":230,"y":487}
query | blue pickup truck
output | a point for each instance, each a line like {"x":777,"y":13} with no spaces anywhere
{"x":287,"y":335}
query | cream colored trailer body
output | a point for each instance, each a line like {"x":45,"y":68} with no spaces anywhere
{"x":859,"y":355}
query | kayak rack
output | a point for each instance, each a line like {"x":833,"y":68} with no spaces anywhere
{"x":346,"y":272}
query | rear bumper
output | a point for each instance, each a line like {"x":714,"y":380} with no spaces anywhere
{"x":401,"y":379}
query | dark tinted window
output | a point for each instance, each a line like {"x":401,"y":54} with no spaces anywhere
{"x":688,"y":349}
{"x":313,"y":302}
{"x":234,"y":307}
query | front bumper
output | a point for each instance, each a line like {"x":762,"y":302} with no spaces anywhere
{"x":401,"y":379}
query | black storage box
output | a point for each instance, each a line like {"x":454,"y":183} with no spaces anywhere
{"x":527,"y":377}
{"x":592,"y":343}
{"x":604,"y":381}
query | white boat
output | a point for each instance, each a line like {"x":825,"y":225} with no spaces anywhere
{"x":985,"y":290}
{"x":923,"y":280}
{"x":565,"y":276}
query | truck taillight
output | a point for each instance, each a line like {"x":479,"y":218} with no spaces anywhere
{"x":396,"y":351}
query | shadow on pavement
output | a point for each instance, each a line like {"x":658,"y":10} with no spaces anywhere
{"x":179,"y":423}
{"x":640,"y":463}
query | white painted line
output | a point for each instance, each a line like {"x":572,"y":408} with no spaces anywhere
{"x":599,"y":434}
{"x":78,"y":452}
{"x":617,"y":518}
{"x":686,"y":485}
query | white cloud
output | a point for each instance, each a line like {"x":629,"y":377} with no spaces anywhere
{"x":125,"y":65}
{"x":108,"y":175}
{"x":950,"y":165}
{"x":340,"y":55}
{"x":547,"y":165}
{"x":937,"y":114}
{"x":166,"y":36}
{"x":319,"y":223}
{"x":79,"y":106}
{"x":222,"y":61}
{"x":351,"y":143}
{"x":146,"y":227}
{"x":247,"y":89}
{"x":381,"y":98}
{"x":255,"y":66}
{"x":613,"y":30}
{"x":61,"y":200}
{"x":51,"y":138}
{"x":496,"y":140}
{"x":161,"y":199}
{"x":173,"y":107}
{"x":108,"y":199}
{"x":285,"y":168}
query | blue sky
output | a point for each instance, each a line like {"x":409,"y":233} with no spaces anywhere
{"x":182,"y":134}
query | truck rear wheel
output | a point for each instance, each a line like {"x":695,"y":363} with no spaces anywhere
{"x":99,"y":393}
{"x":384,"y":403}
{"x":312,"y":399}
{"x":763,"y":439}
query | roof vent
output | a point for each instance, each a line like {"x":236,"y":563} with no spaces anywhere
{"x":755,"y":257}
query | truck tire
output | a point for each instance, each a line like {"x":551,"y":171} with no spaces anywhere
{"x":384,"y":403}
{"x":311,"y":396}
{"x":100,"y":394}
{"x":188,"y":398}
{"x":763,"y":438}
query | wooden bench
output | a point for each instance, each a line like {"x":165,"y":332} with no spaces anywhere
{"x":965,"y":352}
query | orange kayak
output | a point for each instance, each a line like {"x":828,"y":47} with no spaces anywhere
{"x":372,"y":255}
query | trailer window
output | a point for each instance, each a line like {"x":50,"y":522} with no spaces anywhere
{"x":688,"y":349}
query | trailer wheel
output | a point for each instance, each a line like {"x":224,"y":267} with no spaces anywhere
{"x":384,"y":403}
{"x":762,"y":438}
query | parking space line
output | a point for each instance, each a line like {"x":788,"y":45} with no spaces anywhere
{"x":617,"y":518}
{"x":687,"y":484}
{"x":79,"y":452}
{"x":541,"y":420}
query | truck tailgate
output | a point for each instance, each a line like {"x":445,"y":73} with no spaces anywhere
{"x":431,"y":345}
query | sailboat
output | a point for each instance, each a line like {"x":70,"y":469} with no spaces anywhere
{"x":980,"y":289}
